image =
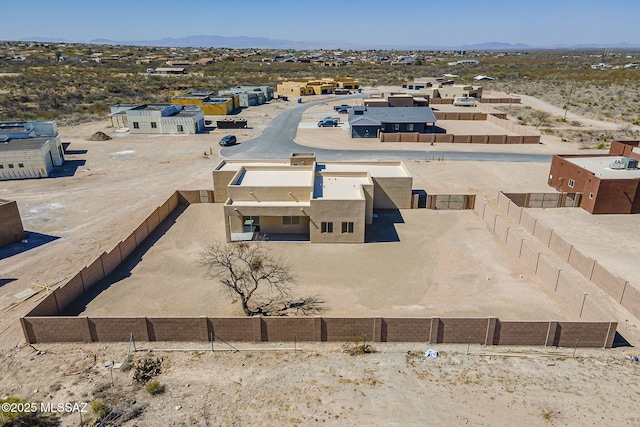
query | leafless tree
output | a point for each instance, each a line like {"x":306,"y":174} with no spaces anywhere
{"x":540,"y":117}
{"x":261,"y":281}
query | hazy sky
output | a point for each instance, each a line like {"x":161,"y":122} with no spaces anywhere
{"x":393,"y":22}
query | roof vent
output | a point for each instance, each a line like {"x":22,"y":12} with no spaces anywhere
{"x":624,"y":163}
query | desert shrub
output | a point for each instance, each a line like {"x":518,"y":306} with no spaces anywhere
{"x":357,"y":347}
{"x":146,"y":368}
{"x":154,"y":387}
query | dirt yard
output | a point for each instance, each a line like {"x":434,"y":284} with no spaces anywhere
{"x":111,"y":186}
{"x":423,"y":274}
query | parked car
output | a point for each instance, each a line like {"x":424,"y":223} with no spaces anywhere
{"x":339,"y":107}
{"x":228,"y":140}
{"x":343,"y":110}
{"x":328,"y":122}
{"x":464,"y":101}
{"x":340,"y":91}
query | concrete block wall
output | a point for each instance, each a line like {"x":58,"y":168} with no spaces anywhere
{"x":347,"y":329}
{"x":118,"y":329}
{"x":548,"y":271}
{"x":514,"y":212}
{"x":616,"y":287}
{"x":514,"y":241}
{"x":92,"y":274}
{"x":153,"y":221}
{"x":232,"y":328}
{"x":111,"y":260}
{"x":189,"y":196}
{"x":47,"y":307}
{"x":68,"y":292}
{"x":127,"y":246}
{"x":56,"y":329}
{"x":582,"y":263}
{"x":461,"y":330}
{"x":585,"y":334}
{"x":521,"y":333}
{"x":565,"y":283}
{"x":404,"y":330}
{"x":486,"y":331}
{"x":503,"y":202}
{"x":501,"y":228}
{"x":530,"y":255}
{"x":141,"y":233}
{"x":288,"y":329}
{"x":542,"y":233}
{"x":631,"y":299}
{"x":177,"y":329}
{"x":611,"y":284}
{"x":527,"y":221}
{"x":570,"y":291}
{"x":560,"y":247}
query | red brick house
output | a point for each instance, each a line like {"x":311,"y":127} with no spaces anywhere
{"x":610,"y":184}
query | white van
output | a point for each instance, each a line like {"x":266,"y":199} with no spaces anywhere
{"x":464,"y":101}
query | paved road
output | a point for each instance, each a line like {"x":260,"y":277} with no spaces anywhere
{"x":276,"y":142}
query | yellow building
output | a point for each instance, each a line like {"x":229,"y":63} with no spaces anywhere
{"x":316,"y":87}
{"x":210,"y":104}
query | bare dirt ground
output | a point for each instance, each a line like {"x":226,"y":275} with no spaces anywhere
{"x":113,"y":185}
{"x":421,"y":275}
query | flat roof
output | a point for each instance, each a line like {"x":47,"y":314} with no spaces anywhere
{"x":24,"y":144}
{"x":339,"y":187}
{"x":230,"y":165}
{"x":275,"y":178}
{"x":601,"y":167}
{"x":253,"y":204}
{"x":374,"y":169}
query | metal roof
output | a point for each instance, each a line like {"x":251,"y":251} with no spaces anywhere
{"x":397,"y":115}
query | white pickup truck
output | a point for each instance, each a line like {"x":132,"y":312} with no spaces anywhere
{"x":464,"y":101}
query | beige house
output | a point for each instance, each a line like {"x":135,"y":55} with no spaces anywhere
{"x":29,"y":149}
{"x":158,"y":119}
{"x":11,"y":229}
{"x":329,"y":202}
{"x":438,"y":87}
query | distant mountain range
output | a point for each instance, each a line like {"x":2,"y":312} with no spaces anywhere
{"x":242,"y":42}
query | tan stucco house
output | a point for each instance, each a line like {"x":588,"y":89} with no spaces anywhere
{"x":328,"y":202}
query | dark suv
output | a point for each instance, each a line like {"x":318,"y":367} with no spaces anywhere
{"x":228,"y":140}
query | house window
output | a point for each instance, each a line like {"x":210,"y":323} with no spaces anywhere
{"x":410,"y":126}
{"x":153,"y":125}
{"x":136,"y":125}
{"x":347,"y":227}
{"x":1,"y":166}
{"x":326,"y":227}
{"x":180,"y":128}
{"x":290,"y":220}
{"x":10,"y":165}
{"x":571,"y":183}
{"x":20,"y":165}
{"x":591,"y":195}
{"x":396,"y":126}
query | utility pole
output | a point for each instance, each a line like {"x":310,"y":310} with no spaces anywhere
{"x":566,"y":107}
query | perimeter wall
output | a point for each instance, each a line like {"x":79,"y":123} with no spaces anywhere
{"x":45,"y":324}
{"x":549,"y":268}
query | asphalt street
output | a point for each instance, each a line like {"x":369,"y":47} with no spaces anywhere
{"x":277,"y":142}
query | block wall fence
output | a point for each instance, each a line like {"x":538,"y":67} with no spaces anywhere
{"x":45,"y":324}
{"x":621,"y":290}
